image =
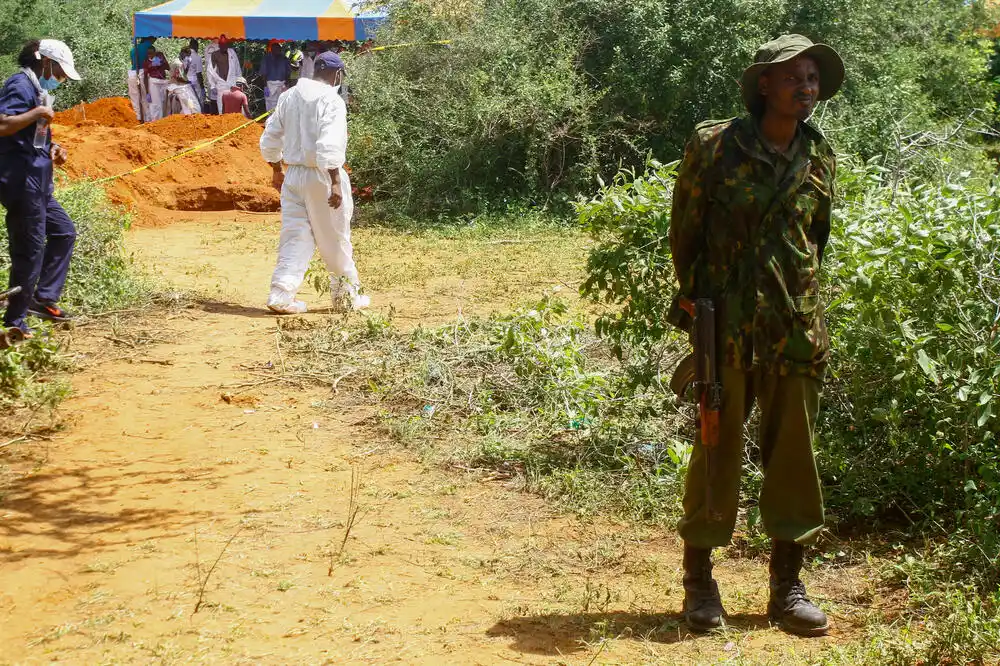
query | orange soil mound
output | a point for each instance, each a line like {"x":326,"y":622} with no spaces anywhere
{"x":189,"y":129}
{"x":110,"y":112}
{"x":229,"y":175}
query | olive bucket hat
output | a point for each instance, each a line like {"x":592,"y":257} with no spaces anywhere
{"x":786,"y":47}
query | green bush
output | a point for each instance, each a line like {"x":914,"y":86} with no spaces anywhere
{"x":531,"y":394}
{"x":913,"y":419}
{"x":101,"y":278}
{"x":502,"y":112}
{"x":99,"y":34}
{"x":533,"y":99}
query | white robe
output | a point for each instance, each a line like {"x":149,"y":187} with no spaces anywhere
{"x":216,"y":83}
{"x":308,"y":131}
{"x":185,"y":95}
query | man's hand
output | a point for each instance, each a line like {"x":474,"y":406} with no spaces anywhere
{"x":44,"y":113}
{"x":277,"y":177}
{"x":58,"y":154}
{"x":336,"y":198}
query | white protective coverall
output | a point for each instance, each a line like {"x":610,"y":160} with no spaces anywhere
{"x":218,"y":85}
{"x":308,"y":131}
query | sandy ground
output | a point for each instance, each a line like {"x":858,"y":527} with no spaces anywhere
{"x":161,"y":498}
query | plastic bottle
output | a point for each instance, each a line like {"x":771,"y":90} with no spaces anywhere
{"x":42,"y":126}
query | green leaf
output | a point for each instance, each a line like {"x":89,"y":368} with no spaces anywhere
{"x":927,"y":365}
{"x":945,"y":327}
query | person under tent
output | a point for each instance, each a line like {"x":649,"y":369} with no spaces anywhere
{"x":276,"y":71}
{"x":155,"y":80}
{"x":181,"y":98}
{"x":307,"y":68}
{"x":136,"y":94}
{"x":195,"y":70}
{"x":235,"y":99}
{"x":223,"y":71}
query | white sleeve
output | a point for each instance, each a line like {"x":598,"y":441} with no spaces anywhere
{"x":331,"y":144}
{"x":272,"y":141}
{"x":196,"y":63}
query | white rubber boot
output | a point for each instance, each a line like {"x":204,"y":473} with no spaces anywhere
{"x":281,"y":303}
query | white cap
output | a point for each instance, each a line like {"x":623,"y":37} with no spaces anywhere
{"x":53,"y":49}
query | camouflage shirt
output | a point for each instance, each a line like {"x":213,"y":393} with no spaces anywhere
{"x":748,"y":230}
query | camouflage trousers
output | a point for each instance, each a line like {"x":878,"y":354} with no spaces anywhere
{"x":791,"y":500}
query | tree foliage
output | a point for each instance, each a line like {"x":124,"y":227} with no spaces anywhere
{"x":99,"y":33}
{"x":912,"y":416}
{"x":534,"y":98}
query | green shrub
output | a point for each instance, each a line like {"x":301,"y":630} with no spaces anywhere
{"x":503,"y":112}
{"x":99,"y":34}
{"x":530,"y":393}
{"x":533,"y":99}
{"x":101,"y":278}
{"x":911,"y":418}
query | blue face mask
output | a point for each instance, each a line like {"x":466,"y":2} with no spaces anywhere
{"x":49,"y":83}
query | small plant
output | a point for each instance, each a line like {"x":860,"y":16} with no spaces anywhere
{"x":203,"y":580}
{"x":529,"y":394}
{"x":355,"y":513}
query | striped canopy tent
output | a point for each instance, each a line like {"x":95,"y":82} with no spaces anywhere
{"x":298,"y":20}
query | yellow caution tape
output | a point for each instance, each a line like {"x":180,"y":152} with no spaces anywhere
{"x":186,"y":151}
{"x":443,"y":42}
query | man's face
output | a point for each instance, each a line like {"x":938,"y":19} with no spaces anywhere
{"x":791,"y":88}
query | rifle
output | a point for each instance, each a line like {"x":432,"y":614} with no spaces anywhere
{"x":5,"y":295}
{"x":707,"y":388}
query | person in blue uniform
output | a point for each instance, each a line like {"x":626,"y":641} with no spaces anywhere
{"x":41,"y":235}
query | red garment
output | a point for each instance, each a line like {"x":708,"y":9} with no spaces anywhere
{"x":233,"y":101}
{"x":158,"y":71}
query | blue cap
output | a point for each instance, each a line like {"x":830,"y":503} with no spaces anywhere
{"x":328,"y":60}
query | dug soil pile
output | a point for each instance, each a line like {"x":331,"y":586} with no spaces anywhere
{"x":112,"y":112}
{"x":229,"y":175}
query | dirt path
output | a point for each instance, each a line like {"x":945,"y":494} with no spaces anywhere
{"x":159,"y":484}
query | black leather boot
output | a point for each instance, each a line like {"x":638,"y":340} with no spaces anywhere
{"x":702,"y":604}
{"x":789,"y":607}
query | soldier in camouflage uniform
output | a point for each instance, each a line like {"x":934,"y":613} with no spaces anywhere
{"x":750,"y":221}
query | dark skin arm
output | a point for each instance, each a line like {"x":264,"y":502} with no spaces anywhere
{"x":11,"y":125}
{"x":335,"y":197}
{"x":277,"y":175}
{"x":58,"y":154}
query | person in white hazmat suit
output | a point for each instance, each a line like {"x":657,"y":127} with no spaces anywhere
{"x":308,"y":132}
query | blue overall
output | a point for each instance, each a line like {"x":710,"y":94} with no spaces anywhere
{"x":40,"y":234}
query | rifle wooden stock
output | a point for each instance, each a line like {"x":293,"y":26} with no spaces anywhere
{"x":708,"y":388}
